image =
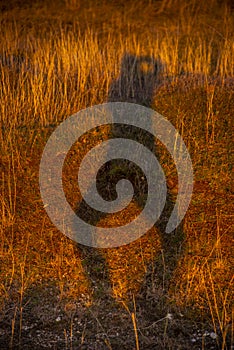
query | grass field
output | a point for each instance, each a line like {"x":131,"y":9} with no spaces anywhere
{"x":162,"y":291}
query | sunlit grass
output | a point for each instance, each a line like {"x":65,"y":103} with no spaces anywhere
{"x":47,"y":75}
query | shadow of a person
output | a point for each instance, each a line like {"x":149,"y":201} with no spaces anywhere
{"x":126,"y":265}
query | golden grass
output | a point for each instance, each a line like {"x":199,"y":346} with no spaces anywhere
{"x":49,"y":71}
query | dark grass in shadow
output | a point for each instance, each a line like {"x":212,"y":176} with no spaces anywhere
{"x":137,"y":82}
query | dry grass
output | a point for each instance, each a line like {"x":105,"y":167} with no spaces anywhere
{"x":58,"y":59}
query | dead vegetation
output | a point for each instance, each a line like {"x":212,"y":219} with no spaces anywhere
{"x":159,"y":292}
